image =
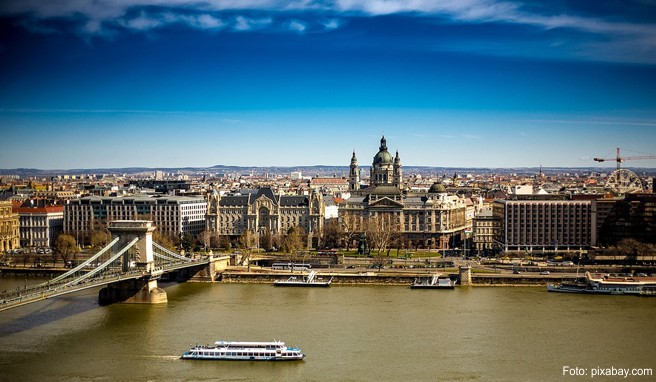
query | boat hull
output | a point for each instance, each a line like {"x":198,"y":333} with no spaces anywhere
{"x":301,"y":284}
{"x":432,"y":286}
{"x":591,"y":289}
{"x":566,"y":289}
{"x":245,"y":358}
{"x":244,"y":351}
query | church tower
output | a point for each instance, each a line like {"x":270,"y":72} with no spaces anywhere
{"x":398,"y":178}
{"x":354,"y":174}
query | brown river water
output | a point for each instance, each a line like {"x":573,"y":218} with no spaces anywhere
{"x":348,"y":333}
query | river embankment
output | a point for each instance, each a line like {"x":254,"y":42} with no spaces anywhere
{"x":392,"y":277}
{"x":340,"y":277}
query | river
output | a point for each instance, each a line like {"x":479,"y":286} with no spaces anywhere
{"x":348,"y":333}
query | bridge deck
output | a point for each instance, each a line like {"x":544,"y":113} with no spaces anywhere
{"x":66,"y":286}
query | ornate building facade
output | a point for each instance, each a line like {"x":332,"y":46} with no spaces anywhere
{"x":432,"y":219}
{"x":262,"y":210}
{"x":9,"y":235}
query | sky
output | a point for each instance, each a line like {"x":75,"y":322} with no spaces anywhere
{"x":453,"y":83}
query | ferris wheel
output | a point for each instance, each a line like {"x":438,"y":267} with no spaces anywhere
{"x":624,"y":181}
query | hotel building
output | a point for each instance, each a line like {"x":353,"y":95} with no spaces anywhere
{"x":172,"y":215}
{"x":540,"y":225}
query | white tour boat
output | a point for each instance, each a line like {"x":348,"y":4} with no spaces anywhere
{"x":245,"y":351}
{"x":638,"y":285}
{"x":311,"y":280}
{"x":433,"y":282}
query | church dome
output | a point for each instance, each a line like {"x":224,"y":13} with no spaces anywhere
{"x":383,"y":156}
{"x":437,"y":188}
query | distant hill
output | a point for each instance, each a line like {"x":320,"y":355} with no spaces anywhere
{"x":316,"y":170}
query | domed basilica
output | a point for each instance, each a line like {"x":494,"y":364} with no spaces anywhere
{"x":432,"y":219}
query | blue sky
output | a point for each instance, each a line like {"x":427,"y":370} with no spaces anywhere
{"x":471,"y":83}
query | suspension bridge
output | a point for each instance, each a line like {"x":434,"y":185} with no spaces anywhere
{"x":128,"y":268}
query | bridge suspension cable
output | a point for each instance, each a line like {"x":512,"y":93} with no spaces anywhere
{"x":84,"y":264}
{"x":105,"y":264}
{"x":169,"y":252}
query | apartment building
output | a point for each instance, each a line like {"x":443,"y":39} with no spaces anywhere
{"x":535,"y":224}
{"x":172,"y":215}
{"x":40,"y":223}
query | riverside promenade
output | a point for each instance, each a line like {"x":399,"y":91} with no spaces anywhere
{"x":391,"y":277}
{"x":365,"y":276}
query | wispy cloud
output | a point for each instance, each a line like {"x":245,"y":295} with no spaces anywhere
{"x":245,"y":24}
{"x":615,"y":38}
{"x":331,"y":24}
{"x":297,"y":26}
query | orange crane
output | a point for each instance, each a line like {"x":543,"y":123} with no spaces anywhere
{"x":620,"y":159}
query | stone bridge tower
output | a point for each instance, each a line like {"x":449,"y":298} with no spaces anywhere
{"x":139,"y":258}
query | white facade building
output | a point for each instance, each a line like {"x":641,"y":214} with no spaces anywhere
{"x":40,"y":226}
{"x":172,"y":215}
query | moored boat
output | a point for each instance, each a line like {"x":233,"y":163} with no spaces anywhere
{"x":433,"y":282}
{"x":309,"y":280}
{"x":637,"y":286}
{"x":245,"y":351}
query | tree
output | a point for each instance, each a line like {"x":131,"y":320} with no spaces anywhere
{"x":266,"y":240}
{"x":99,"y":239}
{"x":164,"y":240}
{"x":292,"y":242}
{"x":246,"y":243}
{"x":186,"y":242}
{"x":203,"y":239}
{"x":350,"y":229}
{"x":380,"y":231}
{"x":332,"y":234}
{"x":379,"y":261}
{"x":631,"y":249}
{"x":223,"y":241}
{"x":65,"y":246}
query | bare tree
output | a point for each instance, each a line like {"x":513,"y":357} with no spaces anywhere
{"x":65,"y":246}
{"x":332,"y":234}
{"x":266,"y":240}
{"x":246,"y":243}
{"x":292,"y":243}
{"x":222,"y":241}
{"x":99,"y":239}
{"x":350,"y":228}
{"x":380,"y":230}
{"x":379,"y":261}
{"x":164,"y":240}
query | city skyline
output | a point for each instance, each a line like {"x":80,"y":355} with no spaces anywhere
{"x":483,"y":83}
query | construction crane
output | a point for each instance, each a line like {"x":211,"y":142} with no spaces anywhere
{"x":622,"y":181}
{"x":620,"y":159}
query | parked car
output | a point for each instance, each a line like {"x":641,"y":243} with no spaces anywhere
{"x":544,"y":272}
